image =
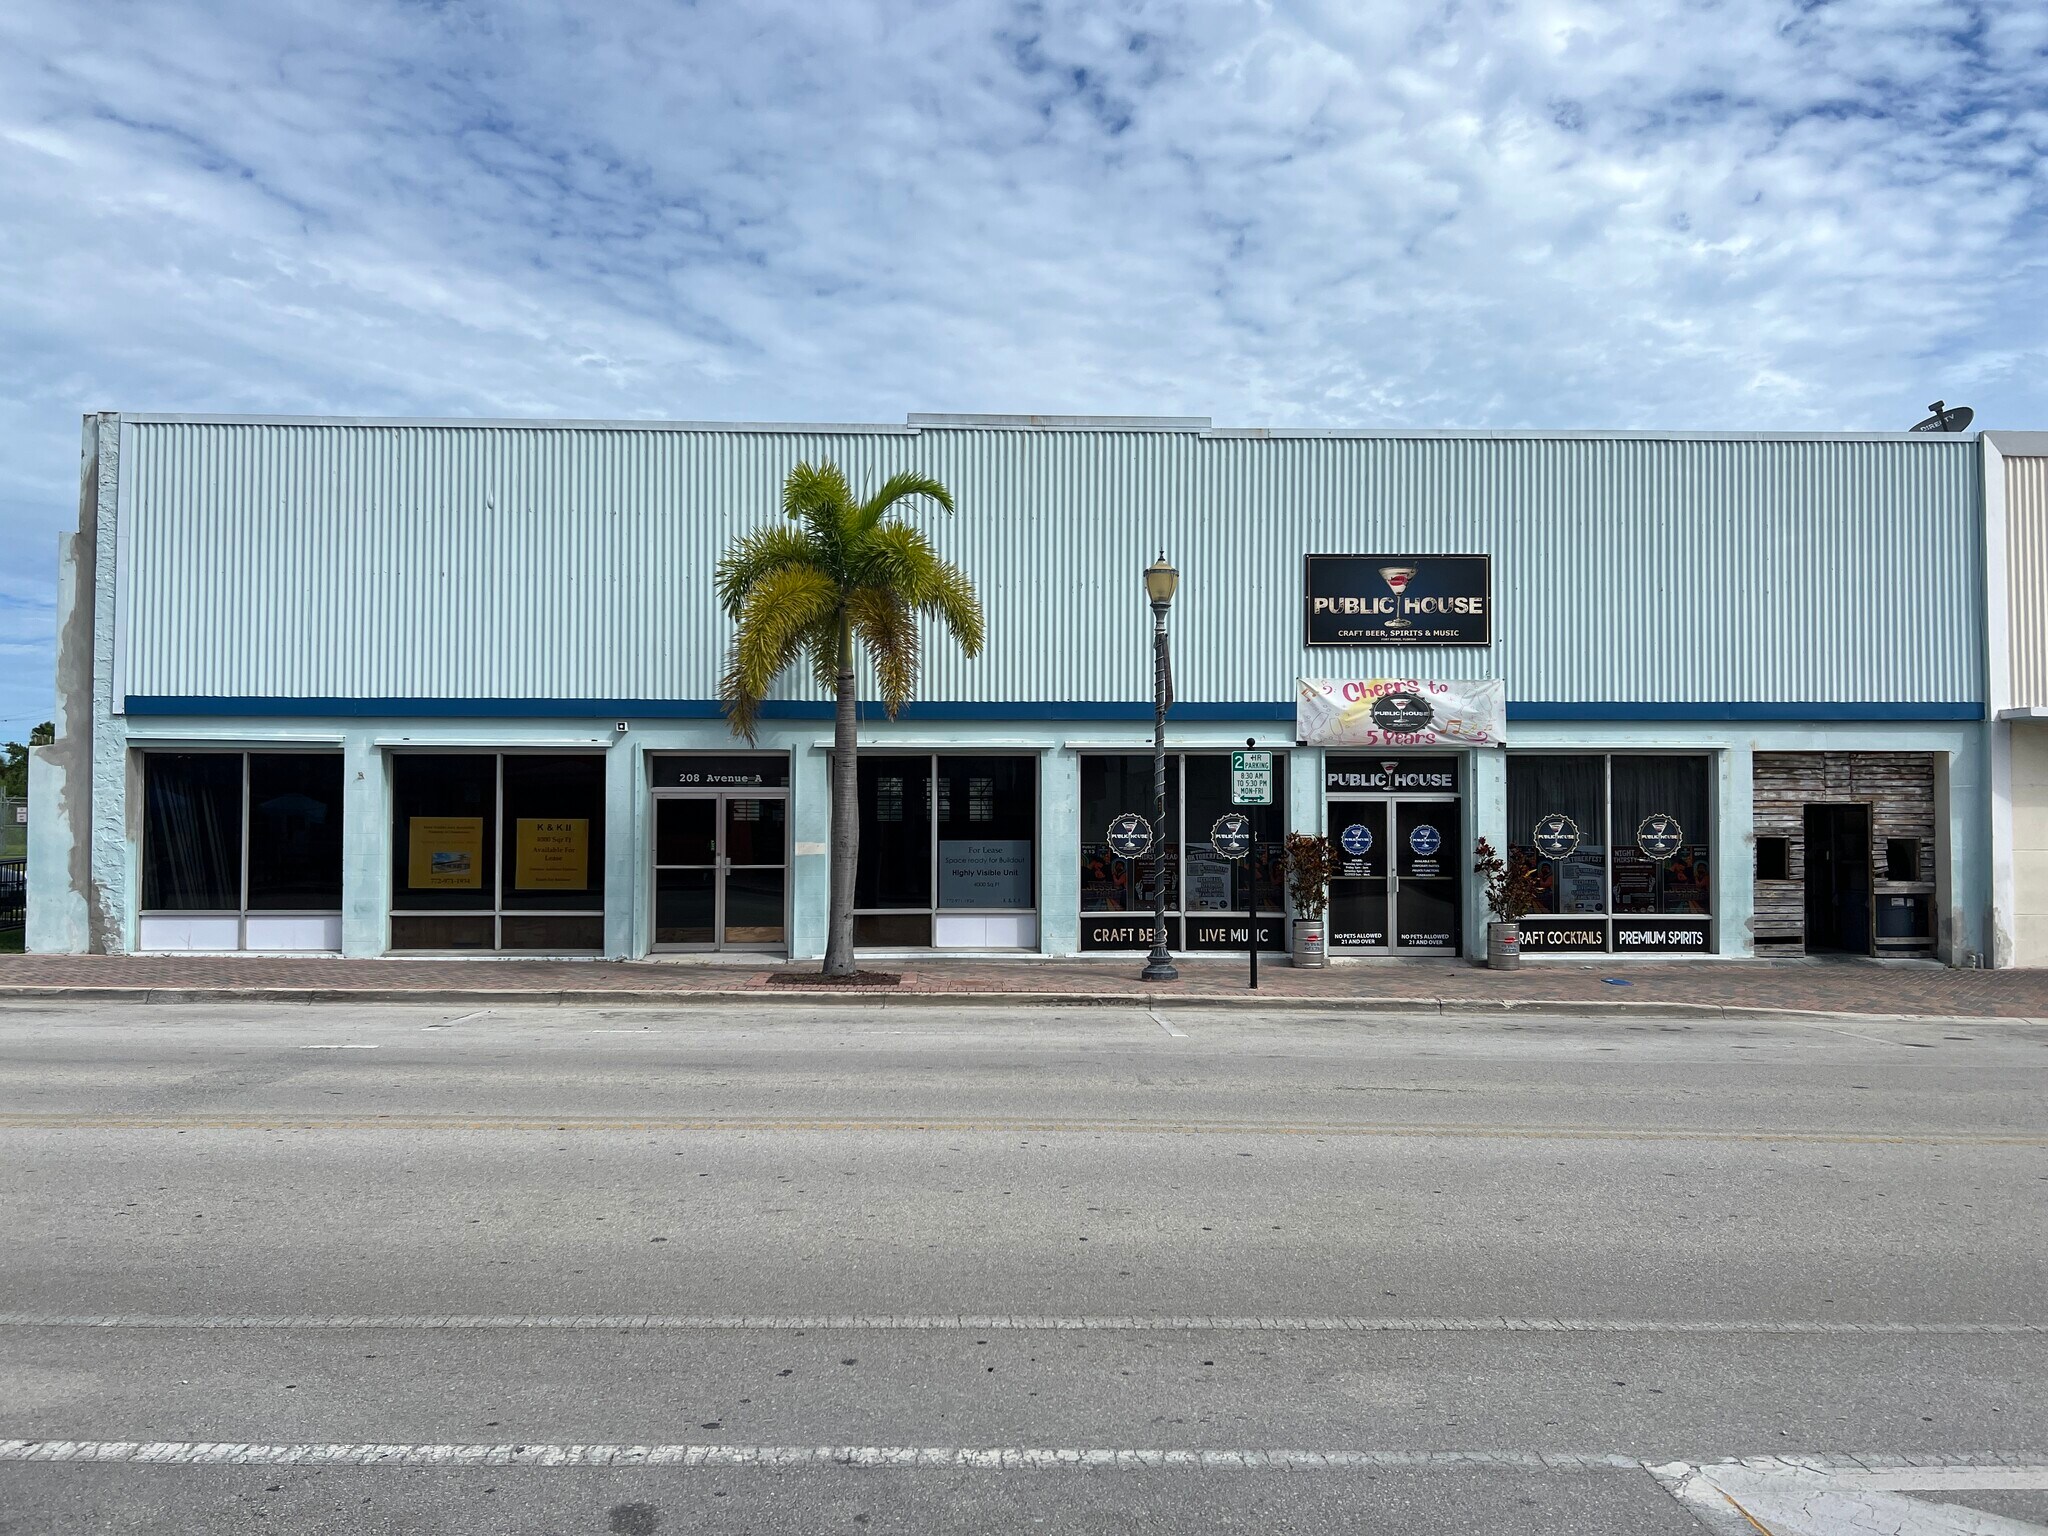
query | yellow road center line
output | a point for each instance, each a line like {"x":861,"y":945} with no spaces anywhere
{"x":404,"y":1122}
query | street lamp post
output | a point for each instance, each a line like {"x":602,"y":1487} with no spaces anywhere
{"x":1161,"y":580}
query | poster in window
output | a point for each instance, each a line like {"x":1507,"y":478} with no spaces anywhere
{"x":551,"y":853}
{"x":985,"y":872}
{"x":1209,"y":879}
{"x":1582,"y":881}
{"x":445,"y":853}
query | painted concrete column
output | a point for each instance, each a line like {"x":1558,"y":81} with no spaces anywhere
{"x":57,"y":923}
{"x":810,"y":846}
{"x":625,"y":838}
{"x":366,"y":834}
{"x":1998,"y":737}
{"x":1059,"y":864}
{"x":1486,"y":815}
{"x":1731,"y":877}
{"x":1305,"y":791}
{"x":1962,"y":858}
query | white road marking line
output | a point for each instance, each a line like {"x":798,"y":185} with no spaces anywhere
{"x":460,"y":1018}
{"x":188,"y":1453}
{"x":1824,"y":1496}
{"x":40,"y":1120}
{"x":1002,"y":1322}
{"x":338,"y":1047}
{"x":1177,"y":1034}
{"x":1836,"y":1029}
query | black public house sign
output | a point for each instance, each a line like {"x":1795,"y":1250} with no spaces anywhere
{"x":1398,"y":600}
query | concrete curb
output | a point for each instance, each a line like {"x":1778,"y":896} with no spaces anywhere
{"x":479,"y":997}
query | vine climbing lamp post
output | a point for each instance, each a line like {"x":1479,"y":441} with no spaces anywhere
{"x":1161,"y":581}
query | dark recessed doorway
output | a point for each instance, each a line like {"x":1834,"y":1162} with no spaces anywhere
{"x":1838,"y":879}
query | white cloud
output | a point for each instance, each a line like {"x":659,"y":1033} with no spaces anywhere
{"x":1552,"y":213}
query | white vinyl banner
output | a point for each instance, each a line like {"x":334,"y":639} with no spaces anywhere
{"x":1401,"y":712}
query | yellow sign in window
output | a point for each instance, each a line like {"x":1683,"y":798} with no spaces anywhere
{"x":445,"y":853}
{"x":551,"y":853}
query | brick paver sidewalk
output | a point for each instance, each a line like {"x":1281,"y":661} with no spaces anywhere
{"x":1923,"y":990}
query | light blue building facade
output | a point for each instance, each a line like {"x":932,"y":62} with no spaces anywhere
{"x":377,"y":687}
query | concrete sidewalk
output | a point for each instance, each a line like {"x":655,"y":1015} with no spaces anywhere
{"x":1856,"y":988}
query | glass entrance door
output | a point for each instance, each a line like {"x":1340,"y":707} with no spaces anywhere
{"x":1396,"y":889}
{"x":721,"y":871}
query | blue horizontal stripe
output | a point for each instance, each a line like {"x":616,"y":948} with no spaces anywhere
{"x":1747,"y":709}
{"x":997,"y":711}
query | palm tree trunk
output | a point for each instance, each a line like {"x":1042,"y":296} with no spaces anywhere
{"x":845,"y":814}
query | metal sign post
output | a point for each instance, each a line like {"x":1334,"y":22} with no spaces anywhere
{"x":1232,"y":838}
{"x":1251,"y":784}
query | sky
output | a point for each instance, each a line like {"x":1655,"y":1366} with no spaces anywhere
{"x":1710,"y":214}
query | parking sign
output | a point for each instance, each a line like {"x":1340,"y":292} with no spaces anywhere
{"x":1251,"y":778}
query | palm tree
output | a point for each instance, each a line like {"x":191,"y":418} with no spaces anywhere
{"x":846,"y":576}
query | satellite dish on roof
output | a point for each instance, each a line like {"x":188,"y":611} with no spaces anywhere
{"x":1955,"y":418}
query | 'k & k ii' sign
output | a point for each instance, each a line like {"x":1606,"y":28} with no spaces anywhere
{"x":1398,"y":600}
{"x":1401,"y":712}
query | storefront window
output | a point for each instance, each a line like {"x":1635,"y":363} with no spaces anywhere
{"x":1112,"y":787}
{"x":1660,"y":852}
{"x":1621,"y":845}
{"x":1557,"y":817}
{"x":192,"y":832}
{"x":1198,"y":880}
{"x":241,"y":851}
{"x":987,"y":817}
{"x":497,"y":851}
{"x":948,"y":852}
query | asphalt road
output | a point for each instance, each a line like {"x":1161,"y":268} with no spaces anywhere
{"x":322,"y":1268}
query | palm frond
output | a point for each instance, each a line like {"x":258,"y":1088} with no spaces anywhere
{"x":778,"y":622}
{"x":892,"y":554}
{"x":900,"y":487}
{"x":886,"y":627}
{"x":822,"y":649}
{"x":818,"y":496}
{"x":949,"y":597}
{"x":753,"y":555}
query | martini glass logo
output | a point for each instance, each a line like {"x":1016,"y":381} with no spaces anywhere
{"x":1397,"y":577}
{"x":1659,"y":837}
{"x":1557,"y":836}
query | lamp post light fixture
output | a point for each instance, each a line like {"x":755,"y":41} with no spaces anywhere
{"x":1161,"y":581}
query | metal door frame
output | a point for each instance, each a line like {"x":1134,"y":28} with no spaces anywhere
{"x":721,"y":865}
{"x":1394,"y":948}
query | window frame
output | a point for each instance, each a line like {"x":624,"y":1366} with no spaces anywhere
{"x":1607,"y":916}
{"x":1177,"y":794}
{"x":242,"y":912}
{"x":496,"y":911}
{"x":933,"y":910}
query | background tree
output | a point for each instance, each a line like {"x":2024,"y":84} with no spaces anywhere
{"x":845,"y":579}
{"x":14,"y":767}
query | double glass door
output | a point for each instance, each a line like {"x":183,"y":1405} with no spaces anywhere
{"x":1397,"y":884}
{"x":721,"y":871}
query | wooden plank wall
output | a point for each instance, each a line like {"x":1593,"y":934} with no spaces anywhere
{"x":1897,"y":786}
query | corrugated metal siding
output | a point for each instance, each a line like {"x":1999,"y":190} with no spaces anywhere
{"x":410,"y":561}
{"x":2026,"y":564}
